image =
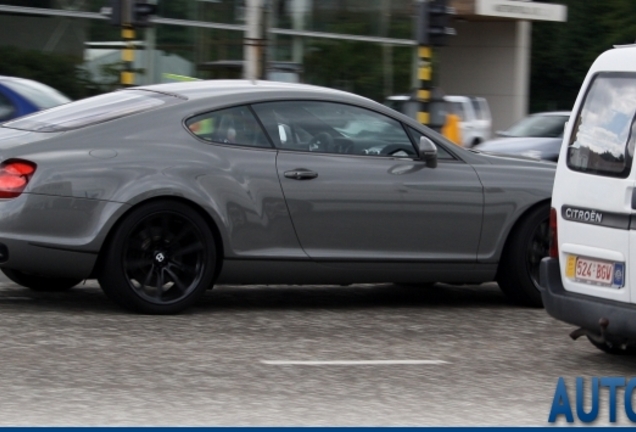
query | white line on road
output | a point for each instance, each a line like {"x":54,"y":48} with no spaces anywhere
{"x":353,"y":362}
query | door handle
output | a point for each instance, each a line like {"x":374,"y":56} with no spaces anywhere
{"x":301,"y":174}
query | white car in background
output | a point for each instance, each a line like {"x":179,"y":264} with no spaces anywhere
{"x":475,"y":120}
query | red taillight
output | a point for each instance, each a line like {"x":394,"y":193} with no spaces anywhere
{"x":14,"y":176}
{"x":554,"y":243}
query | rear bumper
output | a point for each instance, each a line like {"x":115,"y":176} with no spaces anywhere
{"x":582,"y":310}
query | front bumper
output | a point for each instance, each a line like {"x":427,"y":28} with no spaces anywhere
{"x":583,"y":310}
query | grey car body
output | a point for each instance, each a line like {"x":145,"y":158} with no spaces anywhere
{"x":363,"y":218}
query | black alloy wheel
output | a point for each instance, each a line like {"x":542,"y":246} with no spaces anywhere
{"x":161,"y":259}
{"x":538,"y":248}
{"x":527,"y":245}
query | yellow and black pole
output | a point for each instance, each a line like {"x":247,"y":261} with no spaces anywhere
{"x":128,"y":55}
{"x":425,"y":79}
{"x":433,"y":17}
{"x":128,"y":15}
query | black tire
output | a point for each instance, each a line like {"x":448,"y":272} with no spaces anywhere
{"x":160,"y":259}
{"x":422,"y":285}
{"x":527,"y":245}
{"x":41,"y":283}
{"x":614,"y":349}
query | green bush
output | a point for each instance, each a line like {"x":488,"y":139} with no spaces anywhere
{"x":58,"y":71}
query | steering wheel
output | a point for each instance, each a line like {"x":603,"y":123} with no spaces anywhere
{"x":392,"y":149}
{"x":321,"y":142}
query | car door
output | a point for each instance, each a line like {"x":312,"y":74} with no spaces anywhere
{"x":243,"y":184}
{"x":596,"y":230}
{"x":356,"y":189}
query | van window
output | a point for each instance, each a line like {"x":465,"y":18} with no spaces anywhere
{"x":604,"y":133}
{"x":456,"y":108}
{"x":477,"y":107}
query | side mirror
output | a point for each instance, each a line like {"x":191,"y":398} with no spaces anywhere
{"x":428,"y":152}
{"x":501,"y":133}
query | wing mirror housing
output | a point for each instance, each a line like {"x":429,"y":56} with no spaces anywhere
{"x":428,"y":152}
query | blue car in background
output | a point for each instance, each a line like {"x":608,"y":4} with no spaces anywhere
{"x":19,"y":96}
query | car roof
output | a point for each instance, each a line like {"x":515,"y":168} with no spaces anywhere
{"x":12,"y":78}
{"x":553,"y":113}
{"x":206,"y":88}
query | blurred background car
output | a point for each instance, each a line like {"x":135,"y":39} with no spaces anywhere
{"x":20,"y":96}
{"x":475,"y":120}
{"x":537,"y":136}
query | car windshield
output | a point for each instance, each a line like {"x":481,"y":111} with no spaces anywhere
{"x":37,"y":93}
{"x":540,"y":126}
{"x":86,"y":112}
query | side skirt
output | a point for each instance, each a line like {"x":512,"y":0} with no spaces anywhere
{"x":300,"y":272}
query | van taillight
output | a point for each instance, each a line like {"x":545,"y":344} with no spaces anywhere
{"x":14,"y":177}
{"x":554,"y":244}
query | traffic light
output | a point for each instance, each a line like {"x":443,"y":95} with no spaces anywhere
{"x":434,"y":19}
{"x":114,"y":11}
{"x":141,"y":13}
{"x":135,"y":13}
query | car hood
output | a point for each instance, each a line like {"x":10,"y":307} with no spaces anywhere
{"x":511,"y":159}
{"x":520,"y":145}
{"x":10,"y":138}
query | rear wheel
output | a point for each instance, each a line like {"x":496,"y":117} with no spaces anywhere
{"x":41,"y":283}
{"x":528,"y":244}
{"x":160,"y":260}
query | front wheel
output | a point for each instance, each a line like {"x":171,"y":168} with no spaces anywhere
{"x":41,"y":283}
{"x":160,"y":260}
{"x":528,"y":244}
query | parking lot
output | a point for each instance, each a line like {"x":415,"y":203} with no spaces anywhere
{"x":319,"y":355}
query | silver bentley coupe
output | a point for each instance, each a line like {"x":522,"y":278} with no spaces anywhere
{"x":160,"y":192}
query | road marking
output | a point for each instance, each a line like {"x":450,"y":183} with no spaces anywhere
{"x":352,"y":362}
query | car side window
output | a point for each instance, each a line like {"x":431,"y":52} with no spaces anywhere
{"x":229,"y":126}
{"x":6,"y":108}
{"x":329,"y":127}
{"x":441,"y":152}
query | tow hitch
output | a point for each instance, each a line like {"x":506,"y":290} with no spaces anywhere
{"x":600,"y":339}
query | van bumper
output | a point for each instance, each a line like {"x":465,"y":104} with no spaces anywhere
{"x":583,"y":310}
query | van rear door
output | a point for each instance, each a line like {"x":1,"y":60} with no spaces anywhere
{"x":597,"y":242}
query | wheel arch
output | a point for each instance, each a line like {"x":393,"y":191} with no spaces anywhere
{"x":515,"y":226}
{"x":216,"y":233}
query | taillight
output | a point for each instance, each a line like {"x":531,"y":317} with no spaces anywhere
{"x":14,"y":177}
{"x":554,"y":243}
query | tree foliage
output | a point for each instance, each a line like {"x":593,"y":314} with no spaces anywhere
{"x":563,"y":52}
{"x":58,"y":71}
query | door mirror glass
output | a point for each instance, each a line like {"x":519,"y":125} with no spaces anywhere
{"x":428,"y":152}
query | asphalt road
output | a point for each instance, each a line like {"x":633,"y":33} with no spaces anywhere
{"x":445,"y":355}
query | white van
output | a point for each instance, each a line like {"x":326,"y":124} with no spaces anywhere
{"x":475,"y":120}
{"x":588,"y":280}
